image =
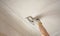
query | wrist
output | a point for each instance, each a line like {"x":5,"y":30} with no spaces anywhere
{"x":38,"y":22}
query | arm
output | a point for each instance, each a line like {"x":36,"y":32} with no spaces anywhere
{"x":42,"y":29}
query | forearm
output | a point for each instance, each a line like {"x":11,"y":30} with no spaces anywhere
{"x":42,"y":29}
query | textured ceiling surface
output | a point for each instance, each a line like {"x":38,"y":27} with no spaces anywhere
{"x":13,"y":13}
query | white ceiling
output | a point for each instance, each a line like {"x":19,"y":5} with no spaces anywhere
{"x":18,"y":10}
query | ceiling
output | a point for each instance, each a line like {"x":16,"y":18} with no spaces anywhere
{"x":14,"y":13}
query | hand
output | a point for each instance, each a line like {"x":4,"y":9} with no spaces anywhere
{"x":37,"y":21}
